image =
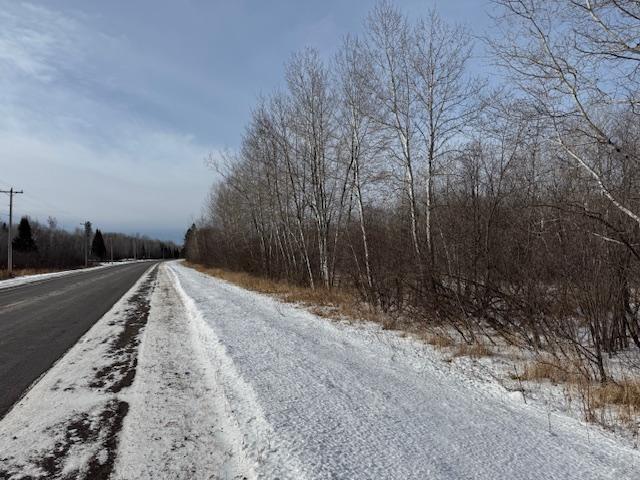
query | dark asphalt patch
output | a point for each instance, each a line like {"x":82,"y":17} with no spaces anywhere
{"x":81,"y":430}
{"x":124,"y":348}
{"x":100,"y":468}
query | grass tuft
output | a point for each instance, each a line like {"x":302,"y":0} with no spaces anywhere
{"x":623,"y":393}
{"x":474,"y":350}
{"x":546,"y":370}
{"x":439,"y":340}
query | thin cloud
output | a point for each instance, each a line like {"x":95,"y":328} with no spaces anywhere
{"x":67,"y":140}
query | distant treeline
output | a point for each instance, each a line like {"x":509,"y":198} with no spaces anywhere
{"x":512,"y":211}
{"x":38,"y":245}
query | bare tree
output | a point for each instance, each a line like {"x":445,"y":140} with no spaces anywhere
{"x":572,"y":58}
{"x":447,"y":99}
{"x":357,"y":111}
{"x":390,"y":51}
{"x":313,"y":105}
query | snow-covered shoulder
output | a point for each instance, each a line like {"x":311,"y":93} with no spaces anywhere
{"x":181,"y":424}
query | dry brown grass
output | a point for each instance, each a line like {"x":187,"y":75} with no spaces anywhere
{"x":596,"y":398}
{"x":22,"y":272}
{"x":624,"y":393}
{"x":439,"y":340}
{"x":611,"y":404}
{"x":474,"y":350}
{"x":547,"y":370}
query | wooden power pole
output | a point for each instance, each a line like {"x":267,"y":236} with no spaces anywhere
{"x":11,"y":193}
{"x":87,"y":238}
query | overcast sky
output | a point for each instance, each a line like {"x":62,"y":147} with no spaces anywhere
{"x":109,"y":108}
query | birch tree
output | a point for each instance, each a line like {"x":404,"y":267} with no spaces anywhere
{"x":357,"y":111}
{"x":447,"y":98}
{"x":390,"y":51}
{"x":579,"y":61}
{"x":313,"y":104}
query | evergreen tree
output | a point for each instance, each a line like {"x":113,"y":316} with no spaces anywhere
{"x":24,"y":241}
{"x":187,"y":241}
{"x":98,"y":248}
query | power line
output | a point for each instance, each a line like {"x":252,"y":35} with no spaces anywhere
{"x":50,"y":207}
{"x":11,"y":193}
{"x":47,"y":206}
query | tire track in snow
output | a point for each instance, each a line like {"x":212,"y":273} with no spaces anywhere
{"x":239,"y":400}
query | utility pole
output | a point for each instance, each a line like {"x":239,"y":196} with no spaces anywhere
{"x":111,"y":245}
{"x":11,"y":193}
{"x":87,"y":235}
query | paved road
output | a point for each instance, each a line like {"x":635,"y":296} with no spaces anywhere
{"x":40,"y":321}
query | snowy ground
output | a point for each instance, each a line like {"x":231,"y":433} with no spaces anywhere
{"x":23,"y":280}
{"x":180,"y":424}
{"x":231,"y":384}
{"x":507,"y":362}
{"x":317,"y":399}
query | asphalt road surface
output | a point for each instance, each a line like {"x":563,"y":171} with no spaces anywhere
{"x":40,"y":321}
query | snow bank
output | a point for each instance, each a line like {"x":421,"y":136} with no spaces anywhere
{"x":318,"y":399}
{"x":15,"y":282}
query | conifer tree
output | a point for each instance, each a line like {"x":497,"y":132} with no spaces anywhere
{"x":24,"y":241}
{"x":98,"y":248}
